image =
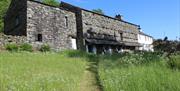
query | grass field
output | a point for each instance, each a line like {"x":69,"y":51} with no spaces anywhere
{"x":40,"y":72}
{"x":128,"y":74}
{"x":78,"y":71}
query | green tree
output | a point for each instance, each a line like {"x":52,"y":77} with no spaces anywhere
{"x":51,"y":2}
{"x":4,"y":4}
{"x":100,"y":11}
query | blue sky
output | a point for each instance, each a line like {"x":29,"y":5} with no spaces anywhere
{"x":157,"y":18}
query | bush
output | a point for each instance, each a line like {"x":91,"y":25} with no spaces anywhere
{"x":26,"y":47}
{"x":45,"y":48}
{"x":129,"y":59}
{"x":174,"y":61}
{"x":12,"y":47}
{"x":74,"y":53}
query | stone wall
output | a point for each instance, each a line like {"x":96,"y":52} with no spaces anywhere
{"x":56,"y":25}
{"x":79,"y":28}
{"x":102,"y":27}
{"x":7,"y":39}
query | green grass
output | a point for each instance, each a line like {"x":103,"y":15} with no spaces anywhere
{"x":175,"y":61}
{"x":25,"y":71}
{"x":123,"y":74}
{"x":65,"y":71}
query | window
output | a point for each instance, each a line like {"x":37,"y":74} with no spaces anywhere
{"x":39,"y":37}
{"x":121,"y":35}
{"x":17,"y":21}
{"x":66,"y":21}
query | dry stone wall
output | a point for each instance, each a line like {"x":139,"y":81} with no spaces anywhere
{"x":7,"y":39}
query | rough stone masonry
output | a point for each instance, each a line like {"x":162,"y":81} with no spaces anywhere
{"x":69,"y":27}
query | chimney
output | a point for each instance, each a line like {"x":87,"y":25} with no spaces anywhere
{"x":119,"y":17}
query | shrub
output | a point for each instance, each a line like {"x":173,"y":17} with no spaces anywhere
{"x":174,"y":61}
{"x":129,"y":59}
{"x":45,"y":48}
{"x":12,"y":47}
{"x":75,"y":53}
{"x":26,"y":47}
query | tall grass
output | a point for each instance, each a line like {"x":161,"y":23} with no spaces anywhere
{"x":137,"y":72}
{"x":174,"y":61}
{"x":25,"y":71}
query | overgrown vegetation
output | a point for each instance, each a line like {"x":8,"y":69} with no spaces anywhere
{"x":139,"y":72}
{"x":26,"y":47}
{"x":174,"y":61}
{"x":45,"y":48}
{"x":12,"y":47}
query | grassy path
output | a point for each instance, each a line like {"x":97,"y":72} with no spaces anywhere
{"x":90,"y":79}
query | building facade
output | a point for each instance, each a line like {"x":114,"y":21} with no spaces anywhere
{"x":70,"y":27}
{"x":145,"y":41}
{"x":41,"y":24}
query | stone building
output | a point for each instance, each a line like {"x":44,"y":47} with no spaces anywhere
{"x":69,"y":27}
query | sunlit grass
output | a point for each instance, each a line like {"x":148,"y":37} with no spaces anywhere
{"x":152,"y":76}
{"x":40,"y":72}
{"x":25,"y":71}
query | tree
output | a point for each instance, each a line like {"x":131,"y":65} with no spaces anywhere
{"x":51,"y":2}
{"x":4,"y":4}
{"x":99,"y":11}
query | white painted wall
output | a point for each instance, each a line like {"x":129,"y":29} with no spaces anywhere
{"x":146,"y":42}
{"x":74,"y":45}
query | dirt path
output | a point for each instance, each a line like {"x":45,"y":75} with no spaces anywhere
{"x":90,"y":79}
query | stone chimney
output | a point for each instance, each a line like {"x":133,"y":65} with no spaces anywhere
{"x":119,"y":17}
